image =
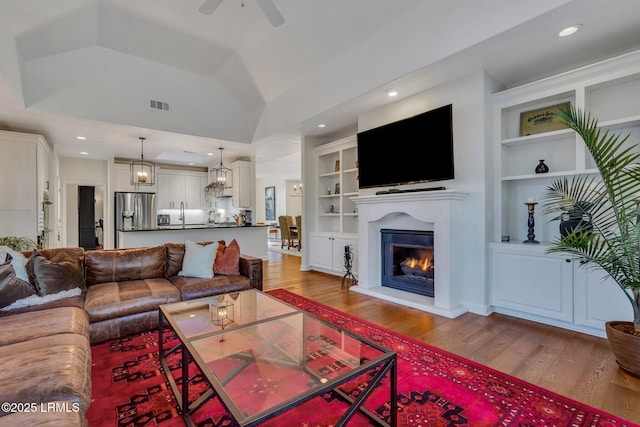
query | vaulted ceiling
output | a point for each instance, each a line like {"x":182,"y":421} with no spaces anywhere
{"x":93,"y":67}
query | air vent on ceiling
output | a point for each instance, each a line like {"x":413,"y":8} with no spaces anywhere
{"x":159,"y":105}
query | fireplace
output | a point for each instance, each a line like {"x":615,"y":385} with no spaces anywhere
{"x":407,"y":261}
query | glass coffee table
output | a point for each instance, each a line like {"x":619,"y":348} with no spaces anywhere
{"x":270,"y":358}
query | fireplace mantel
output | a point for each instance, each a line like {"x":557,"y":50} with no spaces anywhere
{"x":438,"y":211}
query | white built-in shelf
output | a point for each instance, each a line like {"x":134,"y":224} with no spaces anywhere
{"x":350,"y":214}
{"x":353,"y":170}
{"x":352,"y":194}
{"x":329,"y":174}
{"x":328,"y":196}
{"x":623,"y":123}
{"x":537,"y":138}
{"x":335,"y":214}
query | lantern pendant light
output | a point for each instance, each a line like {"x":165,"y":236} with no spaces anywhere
{"x":218,"y":178}
{"x":143,"y":172}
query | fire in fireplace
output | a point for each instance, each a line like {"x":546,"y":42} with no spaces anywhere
{"x":407,"y":260}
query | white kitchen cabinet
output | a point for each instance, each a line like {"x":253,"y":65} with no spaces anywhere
{"x":326,"y":252}
{"x":239,"y":184}
{"x":24,"y":170}
{"x":555,"y":289}
{"x":176,"y":187}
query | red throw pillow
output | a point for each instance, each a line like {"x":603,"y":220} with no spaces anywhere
{"x":228,"y":259}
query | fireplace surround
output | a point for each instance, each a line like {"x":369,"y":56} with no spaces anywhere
{"x":439,"y":212}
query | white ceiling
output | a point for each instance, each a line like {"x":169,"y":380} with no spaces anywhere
{"x":91,"y":67}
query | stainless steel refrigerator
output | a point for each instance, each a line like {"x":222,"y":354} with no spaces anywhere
{"x":134,"y":211}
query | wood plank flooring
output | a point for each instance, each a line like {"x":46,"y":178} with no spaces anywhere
{"x":572,"y":364}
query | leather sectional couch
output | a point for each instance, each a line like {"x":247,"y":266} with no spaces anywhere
{"x":45,"y":351}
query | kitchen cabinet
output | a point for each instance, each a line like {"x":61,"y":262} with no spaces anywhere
{"x":176,"y":187}
{"x":239,"y":184}
{"x":24,"y":168}
{"x":326,"y":252}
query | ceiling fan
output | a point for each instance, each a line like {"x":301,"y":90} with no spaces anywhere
{"x":267,"y":6}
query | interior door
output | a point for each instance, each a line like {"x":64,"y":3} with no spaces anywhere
{"x":86,"y":217}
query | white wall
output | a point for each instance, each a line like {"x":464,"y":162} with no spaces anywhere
{"x":281,"y":199}
{"x":468,"y":96}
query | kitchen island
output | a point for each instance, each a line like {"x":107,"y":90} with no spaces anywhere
{"x":253,"y":239}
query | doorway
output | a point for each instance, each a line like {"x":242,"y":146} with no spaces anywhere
{"x":86,"y":217}
{"x":83,"y":216}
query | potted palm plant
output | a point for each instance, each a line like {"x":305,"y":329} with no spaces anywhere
{"x":610,"y":204}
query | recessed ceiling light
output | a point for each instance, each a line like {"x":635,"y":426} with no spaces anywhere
{"x":191,"y":163}
{"x":84,"y":153}
{"x":209,"y":154}
{"x":82,"y":138}
{"x":322,"y":125}
{"x":392,"y":92}
{"x":571,"y":29}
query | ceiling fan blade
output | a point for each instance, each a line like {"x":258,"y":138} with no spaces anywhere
{"x":209,"y":6}
{"x":271,"y":12}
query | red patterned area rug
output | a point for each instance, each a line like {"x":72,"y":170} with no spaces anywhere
{"x":435,"y":388}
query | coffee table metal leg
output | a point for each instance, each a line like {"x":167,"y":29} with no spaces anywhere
{"x":356,"y":405}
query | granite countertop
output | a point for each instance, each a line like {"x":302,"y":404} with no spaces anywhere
{"x":192,"y":227}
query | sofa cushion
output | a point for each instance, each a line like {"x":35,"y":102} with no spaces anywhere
{"x":45,"y":369}
{"x":124,"y":264}
{"x":27,"y":326}
{"x":191,"y":287}
{"x":198,"y":260}
{"x":12,"y":288}
{"x":109,"y":300}
{"x":62,"y":272}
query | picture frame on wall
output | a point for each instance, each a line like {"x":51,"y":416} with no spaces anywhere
{"x":542,"y":120}
{"x":337,"y":190}
{"x":270,"y":203}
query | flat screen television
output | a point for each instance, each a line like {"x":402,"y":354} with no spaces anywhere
{"x":412,"y":150}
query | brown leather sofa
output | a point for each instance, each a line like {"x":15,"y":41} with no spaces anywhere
{"x":45,"y":351}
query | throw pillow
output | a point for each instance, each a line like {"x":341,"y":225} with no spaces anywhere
{"x":12,"y":288}
{"x":60,"y":273}
{"x":18,"y":262}
{"x":198,"y":260}
{"x":228,"y":262}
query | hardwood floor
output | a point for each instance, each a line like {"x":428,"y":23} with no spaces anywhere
{"x":572,"y":364}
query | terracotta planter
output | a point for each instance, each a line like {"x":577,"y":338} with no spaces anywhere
{"x":625,"y":347}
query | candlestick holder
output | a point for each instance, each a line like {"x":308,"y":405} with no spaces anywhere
{"x":531,"y":223}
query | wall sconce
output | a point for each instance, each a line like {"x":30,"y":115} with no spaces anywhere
{"x":297,"y":189}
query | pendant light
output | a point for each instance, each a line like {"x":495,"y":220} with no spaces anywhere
{"x":218,"y":179}
{"x":143,"y":172}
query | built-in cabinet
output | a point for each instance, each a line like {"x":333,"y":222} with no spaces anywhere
{"x":528,"y":282}
{"x":122,"y":180}
{"x":326,"y":252}
{"x":525,"y":280}
{"x":181,"y":187}
{"x":24,"y":167}
{"x":239,"y":183}
{"x":337,"y":183}
{"x":335,"y":222}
